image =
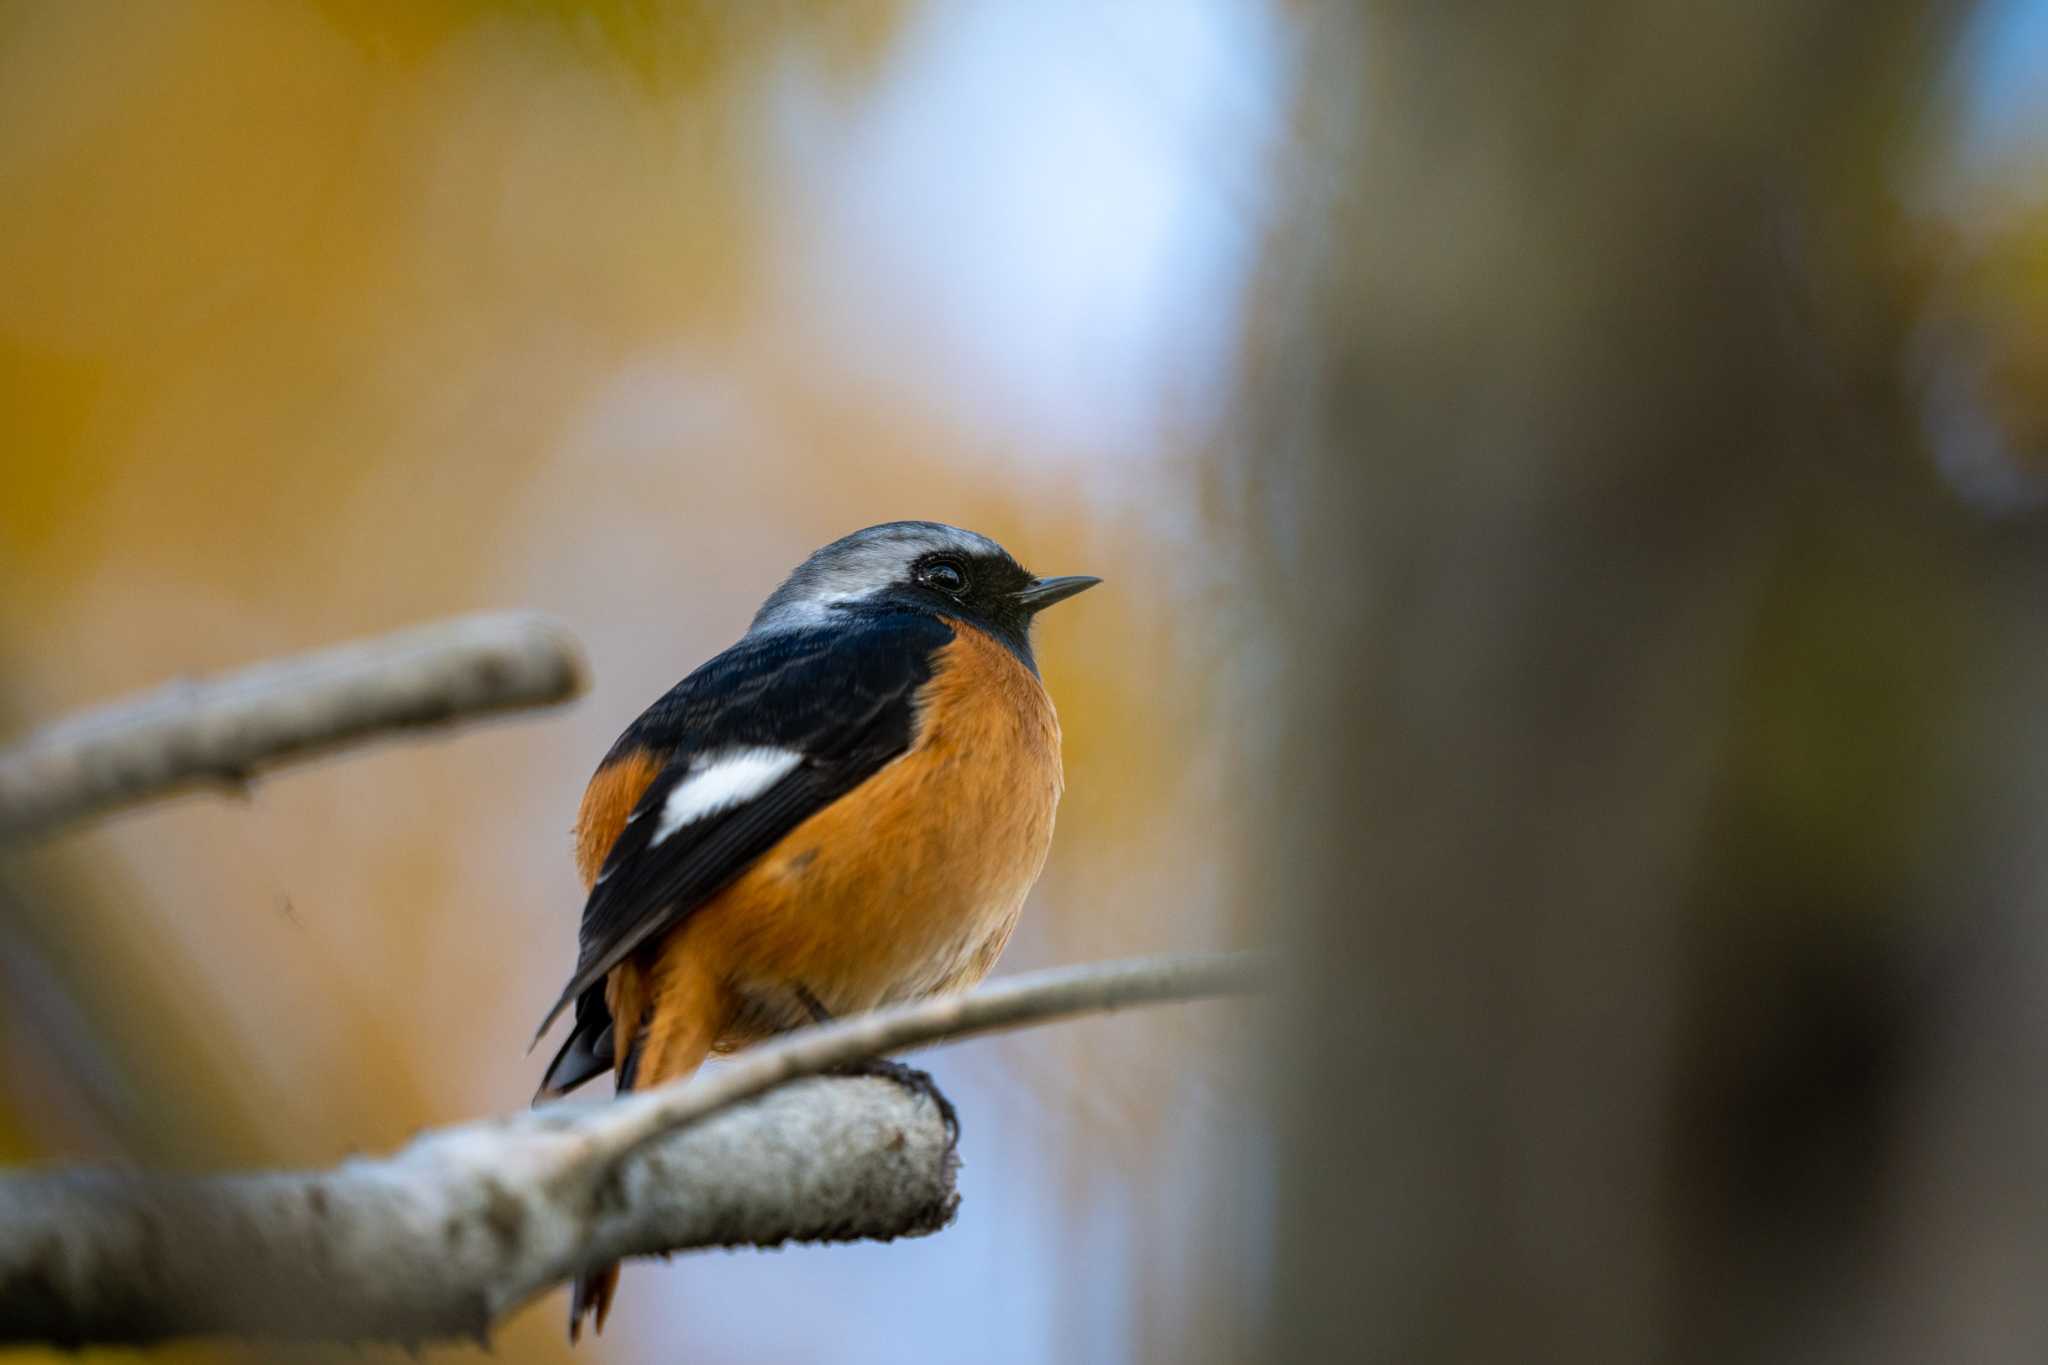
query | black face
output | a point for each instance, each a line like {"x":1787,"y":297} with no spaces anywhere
{"x":923,"y":567}
{"x":982,"y":590}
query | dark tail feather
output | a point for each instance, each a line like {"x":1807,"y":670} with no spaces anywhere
{"x":585,"y":1053}
{"x":592,"y":1296}
{"x":664,"y":1048}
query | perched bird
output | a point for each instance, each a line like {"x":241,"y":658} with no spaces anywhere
{"x":844,"y":810}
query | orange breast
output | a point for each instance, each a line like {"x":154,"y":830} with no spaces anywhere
{"x":911,"y":883}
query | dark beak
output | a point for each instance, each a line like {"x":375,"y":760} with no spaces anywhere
{"x":1041,"y":593}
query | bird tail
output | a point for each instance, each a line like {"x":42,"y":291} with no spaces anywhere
{"x":681,"y":1017}
{"x":592,"y":1295}
{"x":589,"y":1050}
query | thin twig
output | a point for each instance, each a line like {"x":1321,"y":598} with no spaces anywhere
{"x":1037,"y":997}
{"x":225,"y":730}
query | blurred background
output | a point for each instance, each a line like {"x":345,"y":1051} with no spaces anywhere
{"x":1574,"y":493}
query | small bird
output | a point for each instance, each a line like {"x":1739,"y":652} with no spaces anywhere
{"x":844,"y":810}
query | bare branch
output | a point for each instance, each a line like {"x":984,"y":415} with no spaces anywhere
{"x":224,"y":730}
{"x":1034,"y":998}
{"x":467,"y":1223}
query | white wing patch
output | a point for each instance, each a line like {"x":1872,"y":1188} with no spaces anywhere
{"x":719,"y":782}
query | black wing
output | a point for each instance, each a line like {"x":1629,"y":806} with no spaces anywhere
{"x":843,"y":698}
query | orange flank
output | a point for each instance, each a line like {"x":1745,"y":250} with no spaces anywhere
{"x":610,"y":798}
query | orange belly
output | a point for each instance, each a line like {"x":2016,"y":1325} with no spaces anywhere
{"x":907,"y":886}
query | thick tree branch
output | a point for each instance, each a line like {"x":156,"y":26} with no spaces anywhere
{"x":225,"y":730}
{"x":466,"y":1223}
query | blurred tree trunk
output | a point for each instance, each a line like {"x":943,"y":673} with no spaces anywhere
{"x":1584,"y":520}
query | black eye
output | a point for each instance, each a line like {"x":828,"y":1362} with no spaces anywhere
{"x":946,"y":575}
